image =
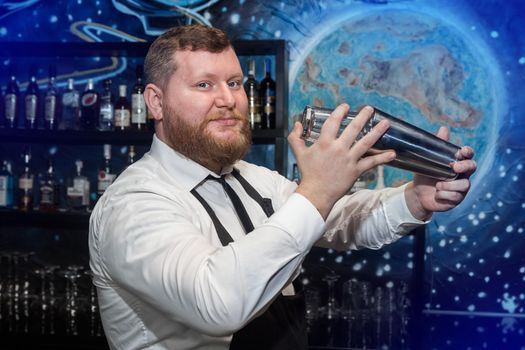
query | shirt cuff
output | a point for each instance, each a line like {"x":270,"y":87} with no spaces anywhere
{"x":396,"y":209}
{"x":299,"y":217}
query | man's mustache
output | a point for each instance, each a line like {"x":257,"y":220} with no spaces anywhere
{"x":233,"y":114}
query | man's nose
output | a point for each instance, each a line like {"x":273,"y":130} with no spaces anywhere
{"x":225,"y":97}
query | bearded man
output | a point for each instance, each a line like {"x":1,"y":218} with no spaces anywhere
{"x":193,"y":248}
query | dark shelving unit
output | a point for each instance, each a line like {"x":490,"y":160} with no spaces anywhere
{"x":276,"y":48}
{"x":50,"y":230}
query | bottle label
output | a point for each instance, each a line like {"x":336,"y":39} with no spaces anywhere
{"x":106,"y":112}
{"x":122,"y":118}
{"x":10,"y":106}
{"x":79,"y":192}
{"x":3,"y":191}
{"x":47,"y":195}
{"x":254,"y":110}
{"x":104,"y":180}
{"x":70,"y":99}
{"x":25,"y":183}
{"x":50,"y":110}
{"x":89,"y":99}
{"x":138,"y":114}
{"x":31,"y":107}
{"x":269,"y":106}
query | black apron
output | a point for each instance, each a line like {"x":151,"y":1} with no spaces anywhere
{"x":283,"y":325}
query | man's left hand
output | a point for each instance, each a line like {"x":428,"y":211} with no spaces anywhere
{"x":425,"y":195}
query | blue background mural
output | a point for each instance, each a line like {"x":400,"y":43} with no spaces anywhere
{"x":433,"y":62}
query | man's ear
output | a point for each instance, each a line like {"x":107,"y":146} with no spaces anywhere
{"x":153,"y":98}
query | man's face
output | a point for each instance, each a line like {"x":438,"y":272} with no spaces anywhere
{"x":205,"y":108}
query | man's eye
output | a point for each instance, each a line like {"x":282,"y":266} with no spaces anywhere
{"x":234,"y":84}
{"x":203,"y":85}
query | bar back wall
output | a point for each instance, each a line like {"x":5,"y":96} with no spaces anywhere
{"x":430,"y":62}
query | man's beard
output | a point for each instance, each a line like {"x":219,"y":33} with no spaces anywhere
{"x":199,"y":144}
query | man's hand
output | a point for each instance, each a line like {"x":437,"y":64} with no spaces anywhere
{"x":425,"y":195}
{"x":332,"y":164}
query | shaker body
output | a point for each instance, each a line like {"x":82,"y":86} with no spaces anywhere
{"x":416,"y":149}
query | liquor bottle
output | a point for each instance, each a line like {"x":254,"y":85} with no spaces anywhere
{"x":11,"y":103}
{"x":106,"y":108}
{"x":6,"y":185}
{"x":25,"y":184}
{"x":89,"y":107}
{"x":49,"y":191}
{"x":122,"y":110}
{"x":105,"y":174}
{"x":51,"y":105}
{"x":138,"y":106}
{"x":131,"y":155}
{"x":78,"y":190}
{"x":267,"y":91}
{"x":296,"y":176}
{"x":70,"y":107}
{"x":252,"y":92}
{"x":31,"y":102}
{"x":150,"y":121}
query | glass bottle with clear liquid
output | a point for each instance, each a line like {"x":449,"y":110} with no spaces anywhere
{"x":70,"y":107}
{"x":50,"y":101}
{"x":31,"y":102}
{"x":26,"y":183}
{"x":107,"y":111}
{"x":11,"y":103}
{"x":78,"y":190}
{"x":138,"y":105}
{"x":6,"y":185}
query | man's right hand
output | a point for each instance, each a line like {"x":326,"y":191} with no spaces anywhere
{"x":332,"y":164}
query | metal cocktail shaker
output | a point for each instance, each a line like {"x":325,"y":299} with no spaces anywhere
{"x":416,"y":149}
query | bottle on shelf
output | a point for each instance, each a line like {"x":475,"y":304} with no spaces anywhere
{"x":106,"y":174}
{"x":296,"y":177}
{"x":25,"y":183}
{"x":267,"y":91}
{"x":131,"y":155}
{"x":49,"y":189}
{"x":122,"y":119}
{"x":106,"y":108}
{"x":70,"y":107}
{"x":51,"y":101}
{"x":252,"y":92}
{"x":78,"y":190}
{"x":31,"y":102}
{"x":6,"y":185}
{"x":11,"y":103}
{"x":89,"y":107}
{"x":138,"y":106}
{"x":150,"y":121}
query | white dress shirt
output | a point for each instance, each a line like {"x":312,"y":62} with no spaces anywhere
{"x":164,"y":280}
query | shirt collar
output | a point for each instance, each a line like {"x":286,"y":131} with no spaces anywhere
{"x":185,"y":171}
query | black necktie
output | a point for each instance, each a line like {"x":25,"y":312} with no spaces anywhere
{"x":237,"y":204}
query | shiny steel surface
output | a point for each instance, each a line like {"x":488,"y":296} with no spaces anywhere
{"x":416,"y":149}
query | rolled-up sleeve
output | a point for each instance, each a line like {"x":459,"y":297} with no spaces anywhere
{"x":147,"y":244}
{"x":368,"y":219}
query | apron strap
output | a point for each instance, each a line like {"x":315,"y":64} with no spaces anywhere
{"x":224,"y":236}
{"x":265,"y":203}
{"x":283,"y":325}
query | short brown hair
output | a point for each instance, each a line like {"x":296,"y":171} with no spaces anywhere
{"x":159,"y":66}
